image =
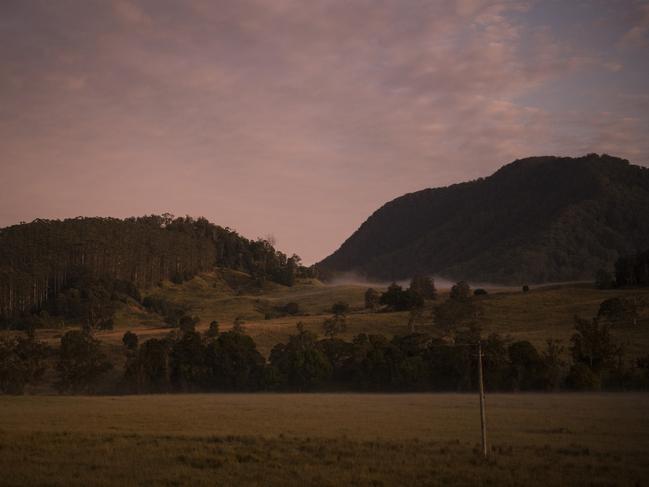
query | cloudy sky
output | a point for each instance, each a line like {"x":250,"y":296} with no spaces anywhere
{"x":299,"y":118}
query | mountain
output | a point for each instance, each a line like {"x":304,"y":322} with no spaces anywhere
{"x":539,"y":219}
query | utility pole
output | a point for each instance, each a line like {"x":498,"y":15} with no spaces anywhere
{"x":483,"y":417}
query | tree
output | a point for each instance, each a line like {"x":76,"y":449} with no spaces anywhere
{"x":619,"y":311}
{"x":300,"y":361}
{"x":334,"y":325}
{"x":456,"y":312}
{"x":213,"y":330}
{"x":460,"y":291}
{"x":553,"y":365}
{"x":340,"y":308}
{"x":188,"y":323}
{"x":397,"y":299}
{"x":414,"y":318}
{"x":604,"y":279}
{"x":186,"y":362}
{"x":130,"y":340}
{"x":375,"y":363}
{"x":339,"y":353}
{"x":592,"y":345}
{"x":233,"y":363}
{"x":372,"y":298}
{"x":22,"y":362}
{"x":424,"y":286}
{"x":151,"y":370}
{"x":81,"y":362}
{"x":582,"y":378}
{"x":237,"y":326}
{"x":526,"y":366}
{"x":291,"y":308}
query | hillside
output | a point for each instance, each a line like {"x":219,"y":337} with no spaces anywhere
{"x":540,"y":219}
{"x":77,"y":268}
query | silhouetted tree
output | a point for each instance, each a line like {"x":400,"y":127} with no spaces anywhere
{"x":553,"y":365}
{"x":233,"y":363}
{"x":619,"y":311}
{"x":303,"y":365}
{"x":397,"y":299}
{"x":372,"y":298}
{"x":81,"y":362}
{"x":130,"y":340}
{"x":592,"y":344}
{"x":424,"y":286}
{"x":237,"y":326}
{"x":22,"y":362}
{"x":186,"y":362}
{"x":213,"y":330}
{"x":333,"y":326}
{"x":340,"y":308}
{"x":460,"y":291}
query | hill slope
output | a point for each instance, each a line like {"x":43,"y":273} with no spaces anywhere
{"x":92,"y":259}
{"x":538,"y":219}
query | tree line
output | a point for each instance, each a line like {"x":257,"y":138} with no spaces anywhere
{"x":70,"y":268}
{"x":189,"y":361}
{"x":443,"y":358}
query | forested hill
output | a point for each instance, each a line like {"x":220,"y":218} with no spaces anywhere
{"x":539,"y":219}
{"x":39,"y":260}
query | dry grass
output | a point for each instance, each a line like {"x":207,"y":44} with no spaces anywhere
{"x":537,"y":316}
{"x":320,"y":439}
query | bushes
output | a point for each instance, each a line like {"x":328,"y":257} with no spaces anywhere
{"x":174,"y":314}
{"x":398,"y":299}
{"x":22,"y":362}
{"x":288,"y":309}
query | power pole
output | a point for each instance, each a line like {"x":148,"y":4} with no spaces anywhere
{"x":483,"y":417}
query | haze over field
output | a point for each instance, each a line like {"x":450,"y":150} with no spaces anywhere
{"x":301,"y":118}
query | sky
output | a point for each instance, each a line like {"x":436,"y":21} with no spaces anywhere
{"x":299,"y":118}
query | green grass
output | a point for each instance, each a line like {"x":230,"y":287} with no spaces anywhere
{"x":323,"y":439}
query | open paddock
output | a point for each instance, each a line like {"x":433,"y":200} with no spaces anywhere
{"x":324,"y":439}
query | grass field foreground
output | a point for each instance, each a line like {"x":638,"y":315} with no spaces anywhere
{"x":323,"y":439}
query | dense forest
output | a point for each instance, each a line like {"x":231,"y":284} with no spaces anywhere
{"x":540,"y":219}
{"x":74,"y":266}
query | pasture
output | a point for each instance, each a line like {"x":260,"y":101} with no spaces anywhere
{"x":544,"y":313}
{"x":323,"y":439}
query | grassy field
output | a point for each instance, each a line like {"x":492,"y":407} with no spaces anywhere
{"x":323,"y":439}
{"x":543,"y":313}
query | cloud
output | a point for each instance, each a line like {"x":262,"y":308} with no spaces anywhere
{"x":638,"y":34}
{"x":289,"y":117}
{"x":130,"y":12}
